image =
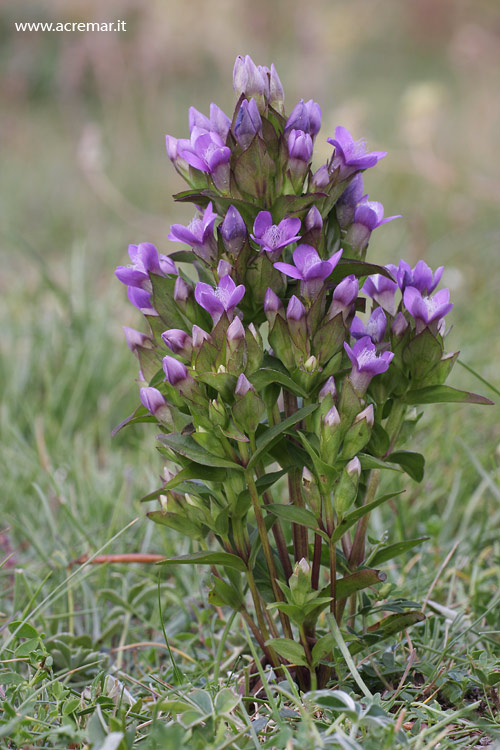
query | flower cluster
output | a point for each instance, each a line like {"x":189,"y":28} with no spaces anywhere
{"x":289,"y":349}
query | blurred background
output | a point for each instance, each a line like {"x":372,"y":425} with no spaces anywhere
{"x":84,"y":173}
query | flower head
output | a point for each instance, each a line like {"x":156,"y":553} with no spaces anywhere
{"x":374,"y":328}
{"x":152,"y":400}
{"x":248,"y":123}
{"x":309,"y":268}
{"x":199,"y":233}
{"x":274,"y":90}
{"x":346,"y":204}
{"x":175,"y":371}
{"x":207,"y":152}
{"x":382,"y":290}
{"x":368,"y":215}
{"x":136,"y":338}
{"x":145,"y":260}
{"x":305,"y":116}
{"x":218,"y":122}
{"x":223,"y":298}
{"x":350,"y":155}
{"x":300,"y":146}
{"x":243,"y":385}
{"x":427,"y":310}
{"x":366,"y":363}
{"x":248,"y":79}
{"x":421,"y":277}
{"x":313,"y":220}
{"x":274,"y":237}
{"x":178,"y":341}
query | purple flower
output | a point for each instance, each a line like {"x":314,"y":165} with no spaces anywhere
{"x":351,"y":155}
{"x":344,"y":297}
{"x":399,"y":325}
{"x":427,"y":310}
{"x":421,"y":277}
{"x":181,"y":165}
{"x":223,"y":298}
{"x":366,"y":363}
{"x":375,"y":327}
{"x":274,"y":237}
{"x":136,"y":338}
{"x":248,"y":123}
{"x":152,"y":400}
{"x":382,"y":290}
{"x":248,"y":79}
{"x":181,"y":290}
{"x":328,"y":388}
{"x":199,"y":336}
{"x":235,"y":331}
{"x":218,"y":122}
{"x":368,"y":215}
{"x":305,"y":116}
{"x":309,"y":268}
{"x":178,"y":341}
{"x":321,"y":178}
{"x":199,"y":234}
{"x":224,"y":268}
{"x":272,"y":306}
{"x":346,"y":204}
{"x":174,"y":370}
{"x":207,"y":152}
{"x":145,"y":260}
{"x":233,"y":230}
{"x":295,"y":310}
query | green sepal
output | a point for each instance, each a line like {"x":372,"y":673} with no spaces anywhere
{"x":329,"y":339}
{"x":270,"y":435}
{"x":279,"y":339}
{"x":248,"y":410}
{"x":164,"y":303}
{"x":254,"y":170}
{"x":266,"y":375}
{"x":422,"y":354}
{"x":222,"y":382}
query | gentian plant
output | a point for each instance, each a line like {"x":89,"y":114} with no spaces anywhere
{"x":286,"y":378}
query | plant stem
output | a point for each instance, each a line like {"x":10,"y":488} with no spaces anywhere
{"x":300,"y":541}
{"x":358,"y":546}
{"x":316,"y":562}
{"x":266,"y":547}
{"x":332,"y":549}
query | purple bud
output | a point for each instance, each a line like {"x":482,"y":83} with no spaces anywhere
{"x":243,"y":385}
{"x":366,"y":363}
{"x":272,"y":306}
{"x":399,"y":325}
{"x":343,"y":298}
{"x":152,"y":400}
{"x":141,"y":299}
{"x":234,"y":231}
{"x":295,"y":310}
{"x":224,"y":268}
{"x":321,"y":178}
{"x":181,"y":290}
{"x":313,"y":220}
{"x":332,"y":418}
{"x":136,"y":338}
{"x":248,"y":123}
{"x":199,"y":336}
{"x":300,"y":146}
{"x":367,"y":415}
{"x":353,"y":467}
{"x":247,"y":78}
{"x":235,"y":331}
{"x":178,"y":341}
{"x":174,"y":370}
{"x":375,"y":328}
{"x":305,"y":116}
{"x":276,"y":93}
{"x":346,"y":204}
{"x":328,"y":388}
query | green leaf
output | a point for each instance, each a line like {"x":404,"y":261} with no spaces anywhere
{"x":138,"y":415}
{"x":25,"y":629}
{"x":293,"y":204}
{"x":186,"y":446}
{"x":264,"y":376}
{"x":268,"y":437}
{"x":357,"y":581}
{"x":389,"y":626}
{"x":182,"y":524}
{"x":294,"y":514}
{"x":348,"y":267}
{"x":226,"y":701}
{"x":371,"y":462}
{"x":289,"y":650}
{"x":196,"y":471}
{"x":268,"y":480}
{"x":355,"y":515}
{"x":164,"y":303}
{"x":412,"y":463}
{"x":207,"y":558}
{"x":223,"y":594}
{"x":422,"y":354}
{"x":394,"y":550}
{"x":441,"y":394}
{"x":11,"y":678}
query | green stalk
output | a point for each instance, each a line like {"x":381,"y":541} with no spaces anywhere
{"x":266,"y":548}
{"x":358,"y":546}
{"x":300,"y":541}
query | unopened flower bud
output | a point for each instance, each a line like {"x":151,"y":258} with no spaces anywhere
{"x":313,"y":219}
{"x":217,"y":413}
{"x":199,"y":336}
{"x":328,"y":388}
{"x":174,"y":370}
{"x":235,"y":331}
{"x":224,"y":268}
{"x":311,"y":364}
{"x":248,"y":408}
{"x":359,"y":433}
{"x":234,"y":232}
{"x":296,"y":317}
{"x":272,"y":306}
{"x":276,"y":93}
{"x":300,"y":582}
{"x":248,"y":79}
{"x":136,"y":339}
{"x":179,"y":342}
{"x":155,"y":403}
{"x":243,"y":385}
{"x":311,"y":492}
{"x":330,"y":435}
{"x":347,"y":487}
{"x":399,"y":325}
{"x":248,"y":123}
